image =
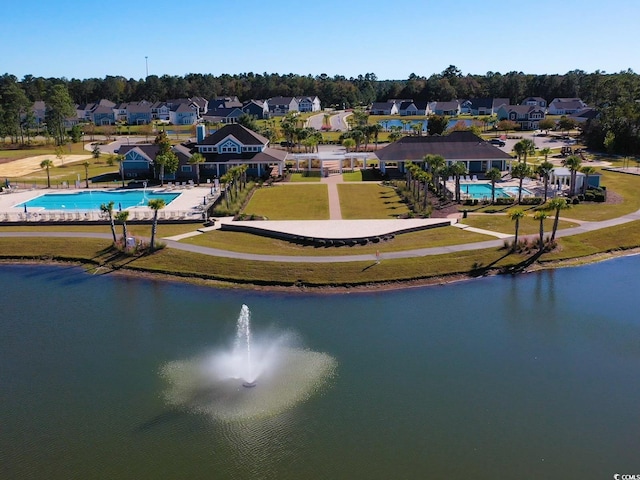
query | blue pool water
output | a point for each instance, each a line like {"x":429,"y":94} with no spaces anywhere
{"x":93,"y":199}
{"x":483,"y":190}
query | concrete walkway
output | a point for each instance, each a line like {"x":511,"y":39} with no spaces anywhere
{"x":422,"y":252}
{"x":332,"y":181}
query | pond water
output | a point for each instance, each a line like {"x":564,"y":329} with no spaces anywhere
{"x":532,"y":377}
{"x":408,"y":127}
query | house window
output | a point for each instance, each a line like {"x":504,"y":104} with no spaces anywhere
{"x":186,"y":168}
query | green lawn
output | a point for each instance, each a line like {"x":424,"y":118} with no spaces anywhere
{"x":40,"y":149}
{"x":366,"y":200}
{"x":360,"y":176}
{"x":164,"y":230}
{"x":502,"y":224}
{"x":290,"y":202}
{"x":249,"y":243}
{"x":310,"y":176}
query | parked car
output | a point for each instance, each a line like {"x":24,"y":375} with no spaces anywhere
{"x":497,"y":142}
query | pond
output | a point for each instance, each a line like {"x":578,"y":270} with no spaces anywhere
{"x":534,"y":376}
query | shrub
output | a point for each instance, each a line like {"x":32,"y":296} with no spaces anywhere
{"x":531,"y":201}
{"x":575,"y":200}
{"x":505,"y":201}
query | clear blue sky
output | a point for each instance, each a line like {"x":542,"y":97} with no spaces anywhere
{"x":392,"y":39}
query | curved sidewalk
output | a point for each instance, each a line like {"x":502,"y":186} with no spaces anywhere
{"x":585,"y":227}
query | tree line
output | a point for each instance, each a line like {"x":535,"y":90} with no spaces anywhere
{"x":597,"y":88}
{"x":616,"y":95}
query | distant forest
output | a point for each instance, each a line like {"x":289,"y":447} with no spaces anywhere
{"x":596,"y":88}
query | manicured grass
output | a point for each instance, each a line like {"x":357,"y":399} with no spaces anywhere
{"x":248,"y":243}
{"x":276,"y":273}
{"x":290,"y":202}
{"x":502,"y":224}
{"x":366,"y":200}
{"x":164,"y":230}
{"x":360,"y":176}
{"x":625,"y":185}
{"x":306,"y":177}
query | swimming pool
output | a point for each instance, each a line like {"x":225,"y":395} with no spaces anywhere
{"x":93,"y":199}
{"x":483,"y":190}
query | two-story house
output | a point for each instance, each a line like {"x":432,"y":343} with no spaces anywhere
{"x":527,"y":116}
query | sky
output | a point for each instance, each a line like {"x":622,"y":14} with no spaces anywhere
{"x":93,"y":39}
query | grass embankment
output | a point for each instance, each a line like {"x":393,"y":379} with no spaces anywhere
{"x":38,"y":148}
{"x":369,"y":201}
{"x":248,"y":243}
{"x":290,"y":202}
{"x":164,"y":230}
{"x":185,"y":264}
{"x":502,"y":224}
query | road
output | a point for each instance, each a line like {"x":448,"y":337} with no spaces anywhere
{"x":337,"y":119}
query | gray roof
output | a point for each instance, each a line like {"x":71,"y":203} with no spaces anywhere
{"x":455,"y":146}
{"x":239,"y":132}
{"x":452,"y":105}
{"x":150,"y":150}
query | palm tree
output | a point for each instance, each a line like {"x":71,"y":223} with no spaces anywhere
{"x":557,"y":204}
{"x":546,"y":151}
{"x":588,"y":171}
{"x":520,"y":171}
{"x":47,"y":164}
{"x":86,"y":173}
{"x":435,"y":164}
{"x":108,"y":209}
{"x":573,"y":163}
{"x":348,"y":143}
{"x":196,"y":159}
{"x":541,"y":216}
{"x":458,"y":169}
{"x":515,"y":214}
{"x":120,"y":160}
{"x":375,"y":129}
{"x":524,"y":148}
{"x":122,"y":217}
{"x":544,"y":170}
{"x":155,"y":205}
{"x":494,"y":175}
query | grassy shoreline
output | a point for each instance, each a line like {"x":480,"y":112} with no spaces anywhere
{"x":221,"y":272}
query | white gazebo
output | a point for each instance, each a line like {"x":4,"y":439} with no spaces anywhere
{"x":561,"y":177}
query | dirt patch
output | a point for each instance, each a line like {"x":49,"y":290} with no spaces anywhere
{"x":25,"y":166}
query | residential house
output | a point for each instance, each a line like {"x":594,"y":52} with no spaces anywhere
{"x":451,"y":108}
{"x":224,"y":102}
{"x":196,"y":104}
{"x":160,"y":111}
{"x":384,"y":108}
{"x":460,"y":146}
{"x":103,"y":115}
{"x":282,"y":105}
{"x":410,"y":108}
{"x":582,"y":116}
{"x":256,"y":108}
{"x":120,"y":111}
{"x":527,"y":116}
{"x":183,"y":114}
{"x":308,"y":104}
{"x":139,"y":113}
{"x":39,"y":111}
{"x":565,"y":106}
{"x":224,"y":115}
{"x":535,"y":101}
{"x":482,"y":106}
{"x":234,"y":145}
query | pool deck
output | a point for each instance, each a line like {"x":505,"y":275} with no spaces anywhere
{"x":187,"y":205}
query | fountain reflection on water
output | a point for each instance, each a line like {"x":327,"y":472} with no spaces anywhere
{"x":284,"y":374}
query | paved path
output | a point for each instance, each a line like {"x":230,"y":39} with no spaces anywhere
{"x":422,"y":252}
{"x":332,"y":181}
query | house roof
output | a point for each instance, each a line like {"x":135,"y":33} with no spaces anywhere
{"x":452,"y":105}
{"x":239,"y":132}
{"x":182,"y":108}
{"x":149,"y":150}
{"x":566,"y":99}
{"x":103,"y":109}
{"x":569,"y":105}
{"x":533,"y":99}
{"x":586,"y":114}
{"x":281,"y":100}
{"x":455,"y":146}
{"x":498,"y":102}
{"x":138,"y":107}
{"x":268,"y":155}
{"x":382,"y":105}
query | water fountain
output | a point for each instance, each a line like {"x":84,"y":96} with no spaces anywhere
{"x":259,"y":376}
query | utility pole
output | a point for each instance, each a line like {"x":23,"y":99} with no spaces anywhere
{"x":146,"y":64}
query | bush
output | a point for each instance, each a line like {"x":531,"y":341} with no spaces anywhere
{"x":505,"y":201}
{"x":599,"y":197}
{"x":590,"y":196}
{"x":531,"y":201}
{"x":575,"y":200}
